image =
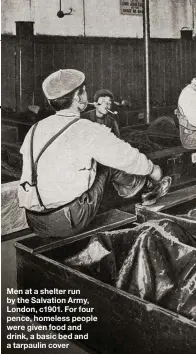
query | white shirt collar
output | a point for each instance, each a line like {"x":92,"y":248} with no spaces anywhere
{"x":68,"y":113}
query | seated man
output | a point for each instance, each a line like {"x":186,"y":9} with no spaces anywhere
{"x":68,"y":161}
{"x":186,"y":114}
{"x":103,"y":102}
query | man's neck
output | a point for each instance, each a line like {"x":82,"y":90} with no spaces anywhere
{"x":74,"y":109}
{"x":100,"y":115}
{"x":69,"y":112}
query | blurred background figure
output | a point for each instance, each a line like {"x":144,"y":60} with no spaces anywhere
{"x":186,"y":113}
{"x":102,"y":113}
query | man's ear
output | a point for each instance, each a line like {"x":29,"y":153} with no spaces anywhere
{"x":76,"y":96}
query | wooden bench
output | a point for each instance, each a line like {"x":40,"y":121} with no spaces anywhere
{"x":109,"y":220}
{"x":167,"y":207}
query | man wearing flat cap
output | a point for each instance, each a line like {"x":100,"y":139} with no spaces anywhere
{"x":68,"y":161}
{"x":103,"y":102}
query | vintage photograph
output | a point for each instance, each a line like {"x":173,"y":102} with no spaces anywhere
{"x":98,"y":176}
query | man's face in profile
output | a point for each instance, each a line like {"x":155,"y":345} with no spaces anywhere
{"x":83,"y":100}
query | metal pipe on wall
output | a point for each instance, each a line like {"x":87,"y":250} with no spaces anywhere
{"x":84,"y":17}
{"x":146,"y":33}
{"x":193,"y":3}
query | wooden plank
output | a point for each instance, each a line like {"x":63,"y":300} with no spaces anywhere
{"x":103,"y":222}
{"x":140,"y":62}
{"x":97,"y":67}
{"x":58,"y":56}
{"x":115,"y":71}
{"x":89,"y":72}
{"x":192,"y":58}
{"x":172,"y":199}
{"x":16,"y":120}
{"x":69,"y":55}
{"x":168,"y":73}
{"x":179,"y":84}
{"x":16,"y":235}
{"x":38,"y":79}
{"x":170,"y":152}
{"x":8,"y":71}
{"x":124,"y":72}
{"x":176,"y":199}
{"x":47,"y":64}
{"x":107,"y":66}
{"x":79,"y":57}
{"x":144,"y":215}
{"x":24,"y":65}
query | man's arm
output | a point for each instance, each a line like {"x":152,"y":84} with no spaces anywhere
{"x":107,"y":149}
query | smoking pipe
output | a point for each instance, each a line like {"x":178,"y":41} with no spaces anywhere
{"x":95,"y":104}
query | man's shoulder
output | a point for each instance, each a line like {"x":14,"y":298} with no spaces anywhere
{"x":88,"y":125}
{"x":187,"y":93}
{"x":112,"y":120}
{"x":90,"y":115}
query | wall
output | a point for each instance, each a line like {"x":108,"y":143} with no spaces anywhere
{"x":47,"y":22}
{"x":97,"y":18}
{"x":167,"y":17}
{"x":103,"y":19}
{"x":8,"y":71}
{"x":117,"y":64}
{"x":15,"y":10}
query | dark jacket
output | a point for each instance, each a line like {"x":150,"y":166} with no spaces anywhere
{"x":107,"y":120}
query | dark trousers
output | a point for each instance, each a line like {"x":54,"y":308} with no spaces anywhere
{"x":73,"y":218}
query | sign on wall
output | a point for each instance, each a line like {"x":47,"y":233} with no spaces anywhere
{"x":131,"y":7}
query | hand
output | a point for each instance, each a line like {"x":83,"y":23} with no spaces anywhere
{"x":157,"y":173}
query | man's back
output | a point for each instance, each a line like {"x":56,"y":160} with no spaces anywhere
{"x":65,"y":169}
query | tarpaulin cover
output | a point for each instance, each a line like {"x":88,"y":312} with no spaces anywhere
{"x":160,"y":134}
{"x":155,"y":261}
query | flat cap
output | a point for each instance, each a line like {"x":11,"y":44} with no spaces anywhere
{"x":103,"y":93}
{"x":62,"y":82}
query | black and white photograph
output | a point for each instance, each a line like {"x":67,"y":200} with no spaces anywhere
{"x":98,"y":176}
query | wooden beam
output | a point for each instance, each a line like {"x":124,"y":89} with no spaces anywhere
{"x":24,"y":65}
{"x":109,"y":220}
